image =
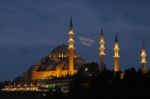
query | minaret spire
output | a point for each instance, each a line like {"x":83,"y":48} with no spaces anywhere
{"x":143,"y":45}
{"x":116,"y":55}
{"x":71,"y":48}
{"x":71,"y":24}
{"x":102,"y":51}
{"x":143,"y":59}
{"x":116,"y":38}
{"x":102,"y":33}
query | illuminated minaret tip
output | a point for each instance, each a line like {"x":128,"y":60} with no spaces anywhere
{"x":143,"y":59}
{"x":116,"y":55}
{"x":71,"y":48}
{"x":102,"y":51}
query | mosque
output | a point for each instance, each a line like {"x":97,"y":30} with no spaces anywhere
{"x":63,"y":60}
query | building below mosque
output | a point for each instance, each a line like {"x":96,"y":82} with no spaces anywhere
{"x":53,"y":65}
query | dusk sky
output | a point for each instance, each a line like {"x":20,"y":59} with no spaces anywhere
{"x":30,"y":29}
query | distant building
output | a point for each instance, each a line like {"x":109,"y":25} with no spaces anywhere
{"x":60,"y":62}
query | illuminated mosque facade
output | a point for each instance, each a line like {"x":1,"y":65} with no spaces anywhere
{"x":64,"y":61}
{"x":60,"y":62}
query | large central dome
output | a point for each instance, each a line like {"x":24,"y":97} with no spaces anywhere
{"x":58,"y":55}
{"x":60,"y":49}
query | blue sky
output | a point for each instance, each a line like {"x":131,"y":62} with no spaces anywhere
{"x":30,"y":29}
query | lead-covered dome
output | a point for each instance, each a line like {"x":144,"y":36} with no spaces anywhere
{"x":59,"y":55}
{"x":60,"y":49}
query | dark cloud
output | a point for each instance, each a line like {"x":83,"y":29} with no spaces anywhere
{"x":29,"y":29}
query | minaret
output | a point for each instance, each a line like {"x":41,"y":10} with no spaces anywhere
{"x":102,"y":51}
{"x":143,"y":60}
{"x":71,"y":48}
{"x":116,"y":55}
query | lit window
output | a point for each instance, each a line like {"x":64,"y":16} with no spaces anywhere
{"x":86,"y":69}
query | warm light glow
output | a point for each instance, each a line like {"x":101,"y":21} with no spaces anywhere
{"x":71,"y":40}
{"x":59,"y":72}
{"x":102,"y":47}
{"x":71,"y":47}
{"x":59,"y":56}
{"x":116,"y":50}
{"x":71,"y":52}
{"x":102,"y":53}
{"x":144,"y":67}
{"x":71,"y":32}
{"x":143,"y":56}
{"x":116,"y":57}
